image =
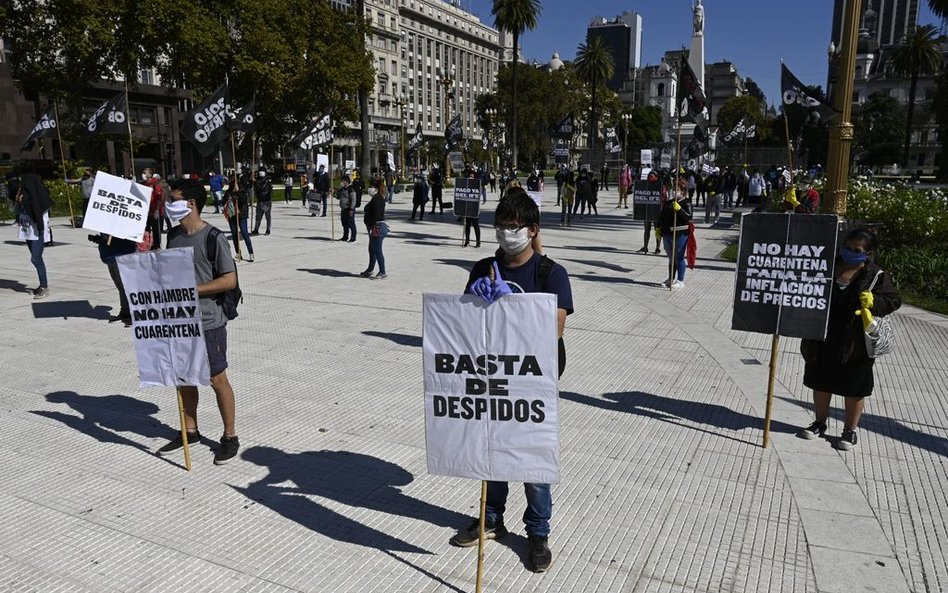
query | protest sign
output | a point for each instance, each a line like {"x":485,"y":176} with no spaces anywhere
{"x":323,"y":159}
{"x":643,"y":174}
{"x":785,"y":274}
{"x":118,"y":207}
{"x":166,"y":317}
{"x":490,"y":373}
{"x":457,"y":160}
{"x":646,"y":199}
{"x":391,"y":160}
{"x":665,"y":161}
{"x":350,"y":166}
{"x":467,"y":197}
{"x":561,"y":153}
{"x":645,"y":157}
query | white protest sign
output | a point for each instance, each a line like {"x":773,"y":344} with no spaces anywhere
{"x":457,"y":160}
{"x":166,"y":317}
{"x":537,"y":197}
{"x":322,"y":159}
{"x":643,"y":174}
{"x":391,"y":161}
{"x":118,"y":207}
{"x":350,"y":165}
{"x":666,"y":161}
{"x":491,"y":394}
{"x":645,"y":157}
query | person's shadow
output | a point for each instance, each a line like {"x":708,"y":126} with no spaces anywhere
{"x":105,"y":417}
{"x":680,"y":412}
{"x":295,"y":480}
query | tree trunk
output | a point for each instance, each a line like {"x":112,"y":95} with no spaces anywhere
{"x":513,"y":73}
{"x":365,"y":168}
{"x":910,"y":116}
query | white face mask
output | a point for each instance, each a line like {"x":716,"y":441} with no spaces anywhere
{"x":177,"y":210}
{"x":513,"y":242}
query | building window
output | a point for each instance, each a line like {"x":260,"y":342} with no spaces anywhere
{"x":660,"y":90}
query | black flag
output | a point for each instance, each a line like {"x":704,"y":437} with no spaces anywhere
{"x":564,"y":129}
{"x":317,"y":134}
{"x":415,"y":142}
{"x":801,"y":105}
{"x":738,"y":133}
{"x":692,"y":103}
{"x":612,"y":141}
{"x":698,"y":145}
{"x":110,"y":117}
{"x":205,"y":125}
{"x":244,"y":118}
{"x":453,"y":134}
{"x":46,"y":126}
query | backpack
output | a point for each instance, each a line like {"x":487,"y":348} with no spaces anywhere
{"x":227,"y":300}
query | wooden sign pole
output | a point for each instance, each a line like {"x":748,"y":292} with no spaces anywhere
{"x":184,"y":432}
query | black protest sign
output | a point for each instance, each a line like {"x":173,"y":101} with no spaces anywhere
{"x":785,"y":274}
{"x":561,"y":153}
{"x":316,"y":135}
{"x":110,"y":117}
{"x":646,"y":198}
{"x":467,"y":197}
{"x":206,"y":125}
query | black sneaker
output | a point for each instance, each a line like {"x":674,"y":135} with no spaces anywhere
{"x":812,"y":431}
{"x":468,"y":537}
{"x":540,"y":555}
{"x":643,"y":250}
{"x":176,"y":443}
{"x":227,"y":450}
{"x":847,"y":441}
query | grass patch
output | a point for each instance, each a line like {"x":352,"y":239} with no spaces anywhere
{"x":729,"y":253}
{"x":924,"y":302}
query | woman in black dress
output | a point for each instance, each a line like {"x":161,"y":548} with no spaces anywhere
{"x":840,"y":363}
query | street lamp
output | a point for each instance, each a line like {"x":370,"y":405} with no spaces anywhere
{"x":626,"y":118}
{"x":401,"y":102}
{"x":491,"y":114}
{"x":446,"y":79}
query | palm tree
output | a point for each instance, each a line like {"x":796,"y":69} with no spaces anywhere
{"x":514,"y":17}
{"x":939,"y":7}
{"x":595,"y":65}
{"x":919,"y":54}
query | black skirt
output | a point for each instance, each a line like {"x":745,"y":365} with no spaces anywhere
{"x":851,"y":379}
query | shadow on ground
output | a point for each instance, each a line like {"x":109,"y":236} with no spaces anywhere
{"x":14,"y":285}
{"x":105,"y":417}
{"x":67,"y":309}
{"x":328,"y":272}
{"x":680,"y":412}
{"x":400,"y":339}
{"x":296,"y":482}
{"x":891,"y":428}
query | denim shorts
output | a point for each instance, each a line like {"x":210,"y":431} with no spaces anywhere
{"x":216,"y":340}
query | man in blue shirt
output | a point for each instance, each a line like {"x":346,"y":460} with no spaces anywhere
{"x":520,"y":268}
{"x":216,"y":181}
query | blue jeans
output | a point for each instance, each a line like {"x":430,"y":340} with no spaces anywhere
{"x":539,"y":506}
{"x":681,"y":239}
{"x":375,"y":254}
{"x":36,"y":257}
{"x":243,"y":233}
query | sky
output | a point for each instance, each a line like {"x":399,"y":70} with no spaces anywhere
{"x":752,"y":34}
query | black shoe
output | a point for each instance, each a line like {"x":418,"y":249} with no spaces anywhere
{"x":812,"y":431}
{"x":254,"y":233}
{"x":847,"y":440}
{"x":176,"y":443}
{"x":468,"y":537}
{"x":643,"y":250}
{"x":366,"y":274}
{"x":352,"y":240}
{"x":227,"y":450}
{"x":540,"y":555}
{"x":476,"y":245}
{"x":268,"y":232}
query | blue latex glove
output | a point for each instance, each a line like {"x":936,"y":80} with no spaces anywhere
{"x":501,"y":288}
{"x":482,"y":288}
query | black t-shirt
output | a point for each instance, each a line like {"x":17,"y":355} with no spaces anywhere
{"x":526,"y":278}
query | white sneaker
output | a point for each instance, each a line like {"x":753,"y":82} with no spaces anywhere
{"x":678,"y":284}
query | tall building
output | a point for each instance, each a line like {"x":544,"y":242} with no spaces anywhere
{"x":432,"y":60}
{"x":894,"y":19}
{"x":623,"y":36}
{"x":721,"y":82}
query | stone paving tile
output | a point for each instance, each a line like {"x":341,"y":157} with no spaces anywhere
{"x":665,"y":487}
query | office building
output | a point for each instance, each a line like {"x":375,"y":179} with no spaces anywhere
{"x":894,"y":19}
{"x":623,"y":36}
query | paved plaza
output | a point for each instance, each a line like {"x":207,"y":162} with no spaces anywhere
{"x":665,"y":485}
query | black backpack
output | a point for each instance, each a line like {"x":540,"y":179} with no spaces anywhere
{"x":229,"y":299}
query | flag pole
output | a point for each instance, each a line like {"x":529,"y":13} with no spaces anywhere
{"x":128,"y":123}
{"x":332,"y":198}
{"x":236,"y":233}
{"x":480,"y":535}
{"x":62,"y":157}
{"x":184,"y":432}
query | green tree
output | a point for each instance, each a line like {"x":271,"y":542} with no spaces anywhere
{"x":642,"y":129}
{"x":515,"y":17}
{"x":879,"y":124}
{"x":940,"y":108}
{"x":594,"y":65}
{"x":918,"y":55}
{"x":754,"y":90}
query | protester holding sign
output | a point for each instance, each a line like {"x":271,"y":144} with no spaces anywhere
{"x":32,"y":215}
{"x":840,"y":364}
{"x":517,"y":268}
{"x":214,"y":275}
{"x":674,"y":219}
{"x":109,"y":249}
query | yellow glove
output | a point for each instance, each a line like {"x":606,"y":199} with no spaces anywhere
{"x":865,"y":299}
{"x":867,"y":318}
{"x":676,"y":206}
{"x":792,"y":197}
